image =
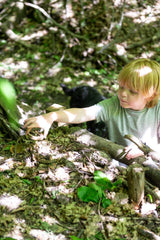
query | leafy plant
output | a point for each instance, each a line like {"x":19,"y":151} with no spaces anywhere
{"x":95,"y":191}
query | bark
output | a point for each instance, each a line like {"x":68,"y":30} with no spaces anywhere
{"x":152,"y":171}
{"x":136,"y":180}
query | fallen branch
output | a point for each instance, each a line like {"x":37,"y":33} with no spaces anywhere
{"x":152,"y":171}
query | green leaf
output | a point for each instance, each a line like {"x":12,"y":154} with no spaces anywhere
{"x":8,"y":102}
{"x":116,"y":183}
{"x":150,"y":197}
{"x":97,"y":188}
{"x":88,"y":194}
{"x":100,"y":177}
{"x":45,"y":226}
{"x":38,"y":179}
{"x":75,"y":238}
{"x":32,"y":199}
{"x":102,"y":180}
{"x":106,"y":202}
{"x":27,"y":181}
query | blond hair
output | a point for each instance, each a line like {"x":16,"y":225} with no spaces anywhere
{"x":143,"y":76}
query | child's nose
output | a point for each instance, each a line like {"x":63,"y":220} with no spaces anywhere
{"x":124,"y":92}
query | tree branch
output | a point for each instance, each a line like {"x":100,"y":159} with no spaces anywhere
{"x":152,"y":171}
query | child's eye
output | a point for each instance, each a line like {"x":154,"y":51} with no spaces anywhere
{"x":133,"y":92}
{"x":121,"y":88}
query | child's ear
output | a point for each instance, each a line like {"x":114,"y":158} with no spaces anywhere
{"x":152,"y":100}
{"x":150,"y":95}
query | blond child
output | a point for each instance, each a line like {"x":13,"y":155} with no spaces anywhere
{"x":134,"y":110}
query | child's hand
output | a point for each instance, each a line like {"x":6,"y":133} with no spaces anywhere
{"x":43,"y":121}
{"x":133,"y":152}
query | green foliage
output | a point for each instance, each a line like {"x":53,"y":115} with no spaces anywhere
{"x":98,"y":236}
{"x":87,"y":194}
{"x":75,"y":238}
{"x":97,"y":71}
{"x":26,"y":181}
{"x":8,"y":102}
{"x":38,"y":179}
{"x":95,"y":191}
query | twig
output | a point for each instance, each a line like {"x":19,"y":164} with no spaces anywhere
{"x":148,"y":234}
{"x":53,"y":21}
{"x":144,"y":148}
{"x":60,"y":61}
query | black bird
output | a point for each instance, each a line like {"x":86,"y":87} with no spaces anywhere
{"x":86,"y":96}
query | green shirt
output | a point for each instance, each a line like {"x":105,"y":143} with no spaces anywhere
{"x":143,"y":124}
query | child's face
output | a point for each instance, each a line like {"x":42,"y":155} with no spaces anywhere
{"x":131,"y":99}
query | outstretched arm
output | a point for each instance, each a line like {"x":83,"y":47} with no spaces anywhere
{"x":72,"y":115}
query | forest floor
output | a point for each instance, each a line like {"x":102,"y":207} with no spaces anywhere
{"x":39,"y":180}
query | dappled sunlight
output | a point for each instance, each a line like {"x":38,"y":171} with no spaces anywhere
{"x":62,"y":174}
{"x":144,"y":71}
{"x":54,"y":70}
{"x":61,"y":189}
{"x":9,"y":67}
{"x":68,"y":12}
{"x":147,"y":54}
{"x":58,"y":174}
{"x":6,"y":164}
{"x":24,"y":114}
{"x":30,"y":162}
{"x":44,"y":147}
{"x":152,"y":142}
{"x":147,"y":15}
{"x":148,"y":208}
{"x":10,"y":202}
{"x":120,"y":50}
{"x":17,"y":232}
{"x":43,"y":235}
{"x":88,"y":52}
{"x":86,"y":139}
{"x":70,"y":116}
{"x":118,"y":3}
